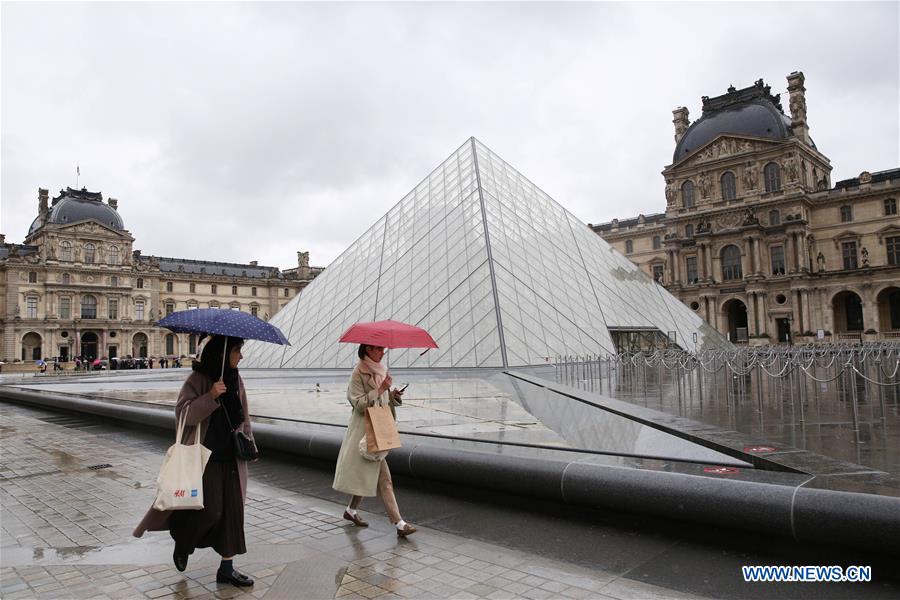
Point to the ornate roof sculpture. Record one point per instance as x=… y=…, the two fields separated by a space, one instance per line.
x=497 y=271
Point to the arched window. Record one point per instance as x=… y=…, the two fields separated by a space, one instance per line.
x=89 y=251
x=629 y=246
x=731 y=263
x=66 y=279
x=88 y=307
x=687 y=194
x=729 y=191
x=774 y=217
x=657 y=244
x=772 y=173
x=65 y=251
x=113 y=255
x=688 y=231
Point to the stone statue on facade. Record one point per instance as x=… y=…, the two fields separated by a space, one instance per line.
x=750 y=176
x=704 y=185
x=865 y=257
x=750 y=218
x=790 y=167
x=820 y=262
x=671 y=192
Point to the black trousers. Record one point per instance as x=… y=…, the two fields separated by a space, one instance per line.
x=220 y=525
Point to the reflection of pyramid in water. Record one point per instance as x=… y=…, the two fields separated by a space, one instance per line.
x=495 y=269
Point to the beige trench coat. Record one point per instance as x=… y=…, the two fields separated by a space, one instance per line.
x=195 y=395
x=354 y=474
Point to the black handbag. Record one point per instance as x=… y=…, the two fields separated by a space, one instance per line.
x=244 y=448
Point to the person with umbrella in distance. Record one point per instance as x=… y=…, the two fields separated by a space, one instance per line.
x=370 y=384
x=214 y=400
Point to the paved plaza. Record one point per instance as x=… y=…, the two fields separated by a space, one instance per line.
x=73 y=488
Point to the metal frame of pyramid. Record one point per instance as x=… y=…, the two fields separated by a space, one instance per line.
x=498 y=272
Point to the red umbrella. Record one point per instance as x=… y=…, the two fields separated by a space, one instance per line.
x=388 y=334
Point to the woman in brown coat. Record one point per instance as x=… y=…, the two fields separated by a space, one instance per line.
x=370 y=384
x=215 y=397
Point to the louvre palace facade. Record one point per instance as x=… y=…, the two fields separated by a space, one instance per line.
x=76 y=286
x=757 y=239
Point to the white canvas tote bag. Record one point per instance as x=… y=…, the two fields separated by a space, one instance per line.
x=180 y=481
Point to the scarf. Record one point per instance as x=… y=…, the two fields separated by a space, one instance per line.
x=377 y=370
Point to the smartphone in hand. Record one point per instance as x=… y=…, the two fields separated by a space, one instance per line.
x=405 y=385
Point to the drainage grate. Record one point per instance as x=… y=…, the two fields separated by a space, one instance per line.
x=98 y=467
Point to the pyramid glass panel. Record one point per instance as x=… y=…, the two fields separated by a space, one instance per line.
x=497 y=271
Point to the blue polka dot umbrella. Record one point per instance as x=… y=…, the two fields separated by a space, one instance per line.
x=219 y=321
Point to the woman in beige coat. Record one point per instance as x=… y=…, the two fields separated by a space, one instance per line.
x=369 y=385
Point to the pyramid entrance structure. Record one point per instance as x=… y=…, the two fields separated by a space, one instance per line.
x=498 y=272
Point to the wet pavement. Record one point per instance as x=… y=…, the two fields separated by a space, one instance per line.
x=73 y=487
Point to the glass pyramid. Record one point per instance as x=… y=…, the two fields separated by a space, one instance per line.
x=498 y=272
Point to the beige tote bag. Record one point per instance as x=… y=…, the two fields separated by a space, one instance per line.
x=180 y=481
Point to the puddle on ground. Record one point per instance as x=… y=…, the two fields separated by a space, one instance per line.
x=63 y=460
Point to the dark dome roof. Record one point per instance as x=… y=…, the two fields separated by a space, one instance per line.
x=759 y=119
x=80 y=205
x=752 y=111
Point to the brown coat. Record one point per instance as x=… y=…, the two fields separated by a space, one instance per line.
x=195 y=394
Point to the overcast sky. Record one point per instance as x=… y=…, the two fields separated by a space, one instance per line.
x=241 y=132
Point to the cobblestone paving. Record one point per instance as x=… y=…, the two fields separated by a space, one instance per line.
x=73 y=490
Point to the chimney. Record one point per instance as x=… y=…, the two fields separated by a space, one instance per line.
x=798 y=106
x=43 y=205
x=681 y=121
x=113 y=203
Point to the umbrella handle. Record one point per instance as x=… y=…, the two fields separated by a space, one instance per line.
x=224 y=354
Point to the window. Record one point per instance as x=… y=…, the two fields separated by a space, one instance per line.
x=774 y=217
x=690 y=264
x=214 y=289
x=139 y=310
x=193 y=287
x=234 y=290
x=731 y=263
x=846 y=213
x=657 y=244
x=192 y=344
x=253 y=291
x=114 y=281
x=88 y=307
x=31 y=307
x=777 y=253
x=89 y=251
x=657 y=273
x=113 y=309
x=629 y=246
x=893 y=250
x=287 y=292
x=729 y=191
x=192 y=304
x=140 y=283
x=849 y=254
x=65 y=307
x=65 y=251
x=214 y=304
x=66 y=279
x=113 y=255
x=772 y=173
x=170 y=308
x=168 y=286
x=170 y=344
x=235 y=307
x=32 y=276
x=688 y=231
x=254 y=310
x=687 y=194
x=890 y=207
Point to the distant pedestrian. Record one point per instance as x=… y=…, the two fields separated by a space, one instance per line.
x=210 y=394
x=151 y=362
x=370 y=384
